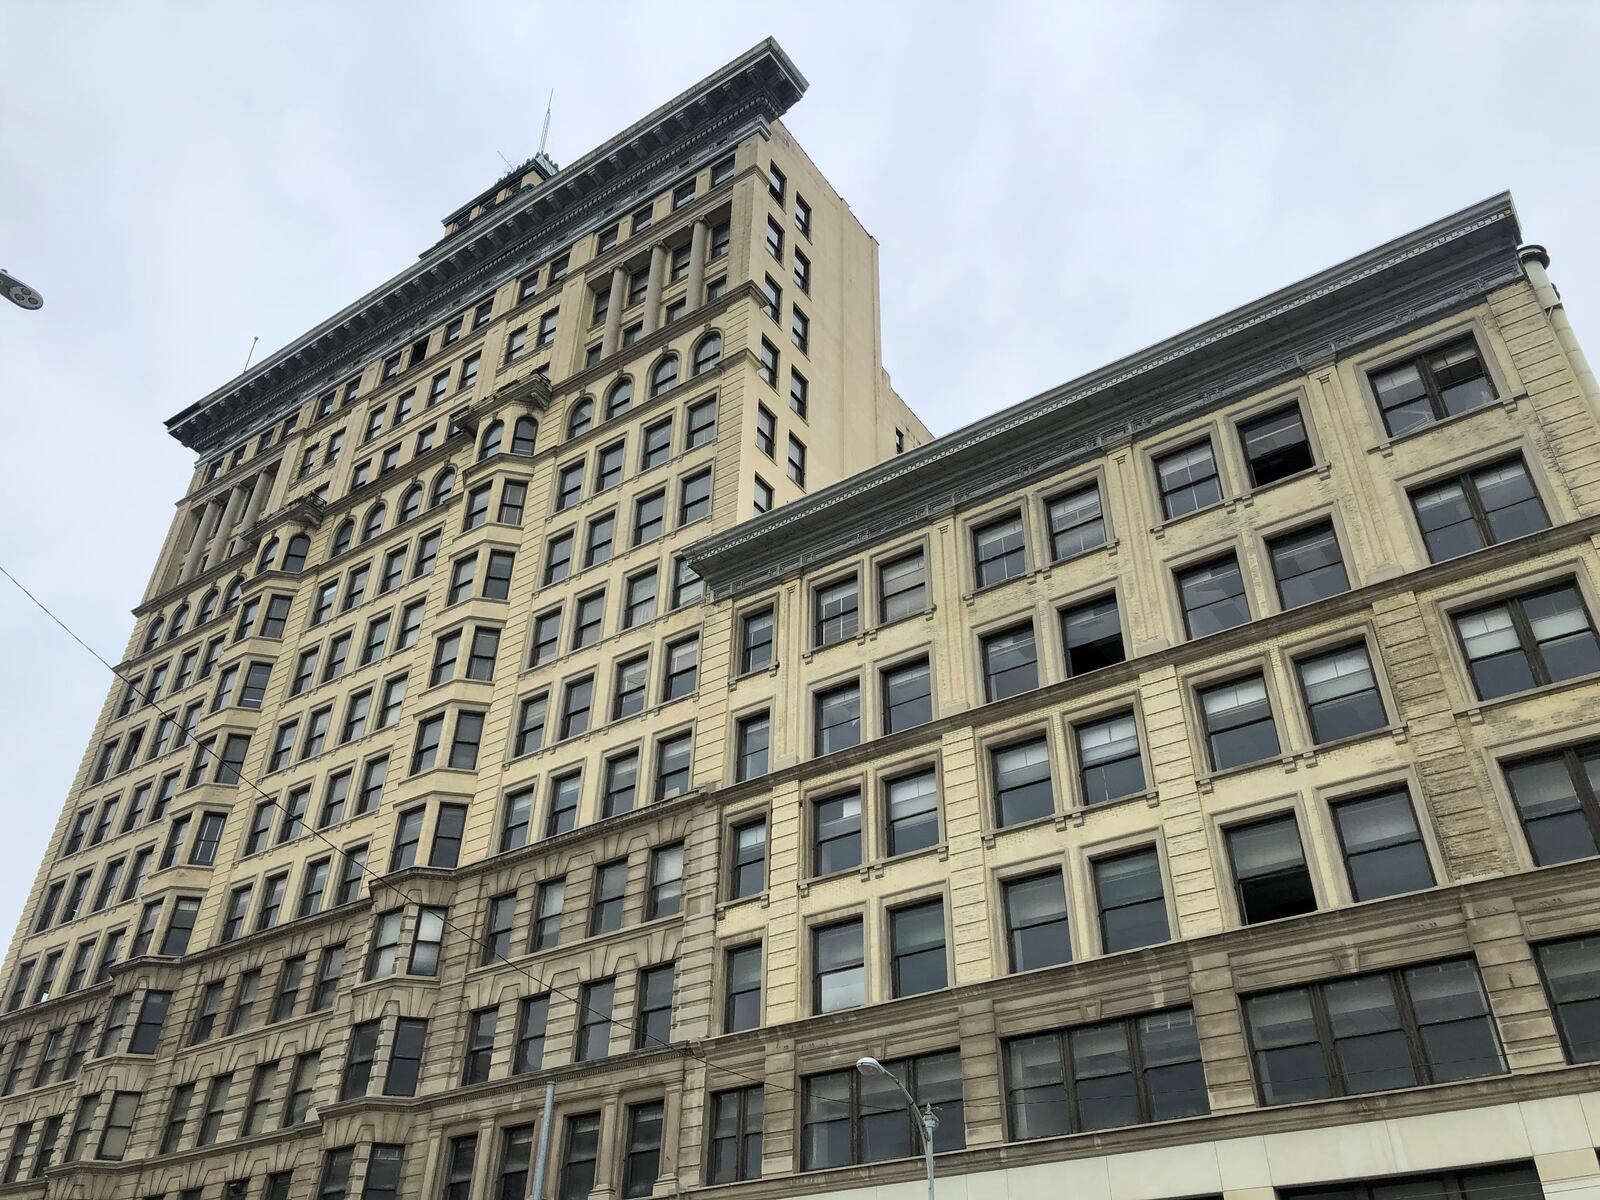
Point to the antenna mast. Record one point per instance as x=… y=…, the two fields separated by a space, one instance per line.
x=544 y=136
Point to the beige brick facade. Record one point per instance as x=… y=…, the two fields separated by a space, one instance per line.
x=420 y=902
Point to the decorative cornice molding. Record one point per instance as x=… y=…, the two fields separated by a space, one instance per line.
x=743 y=97
x=1442 y=267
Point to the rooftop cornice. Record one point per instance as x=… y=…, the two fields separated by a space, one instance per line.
x=1433 y=270
x=748 y=93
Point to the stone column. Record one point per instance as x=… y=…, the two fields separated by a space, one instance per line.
x=619 y=298
x=205 y=526
x=258 y=498
x=699 y=247
x=230 y=514
x=652 y=289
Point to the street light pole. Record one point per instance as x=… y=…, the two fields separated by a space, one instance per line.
x=926 y=1120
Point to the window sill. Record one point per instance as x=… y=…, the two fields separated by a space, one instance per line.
x=1206 y=783
x=1386 y=446
x=1474 y=712
x=762 y=899
x=1159 y=529
x=1322 y=470
x=875 y=868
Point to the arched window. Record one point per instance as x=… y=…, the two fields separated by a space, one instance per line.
x=294 y=554
x=175 y=626
x=708 y=352
x=268 y=557
x=230 y=598
x=664 y=375
x=489 y=444
x=581 y=418
x=411 y=502
x=620 y=398
x=153 y=634
x=373 y=525
x=343 y=537
x=208 y=607
x=523 y=435
x=442 y=486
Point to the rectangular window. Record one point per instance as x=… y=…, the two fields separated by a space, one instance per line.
x=999 y=551
x=796 y=465
x=1124 y=1072
x=838 y=611
x=1270 y=875
x=480 y=1045
x=600 y=540
x=1109 y=763
x=1021 y=778
x=1307 y=565
x=673 y=766
x=1238 y=722
x=701 y=422
x=1528 y=640
x=649 y=517
x=1212 y=596
x=753 y=739
x=427 y=942
x=594 y=1021
x=741 y=1008
x=734 y=1150
x=1077 y=523
x=907 y=696
x=1341 y=694
x=838 y=966
x=747 y=873
x=533 y=1013
x=497 y=929
x=1571 y=973
x=1038 y=932
x=1188 y=480
x=577 y=701
x=838 y=717
x=1383 y=850
x=558 y=558
x=653 y=1024
x=1276 y=446
x=384 y=952
x=767 y=359
x=405 y=1057
x=1369 y=1033
x=1478 y=508
x=1556 y=800
x=551 y=900
x=1432 y=386
x=1092 y=635
x=564 y=795
x=610 y=888
x=853 y=1118
x=1129 y=895
x=836 y=833
x=666 y=882
x=913 y=812
x=641 y=1161
x=694 y=498
x=1010 y=662
x=917 y=959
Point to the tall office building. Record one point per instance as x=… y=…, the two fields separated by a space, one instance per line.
x=572 y=664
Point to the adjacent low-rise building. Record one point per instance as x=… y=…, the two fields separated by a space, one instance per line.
x=572 y=664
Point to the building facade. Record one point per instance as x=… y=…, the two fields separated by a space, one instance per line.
x=572 y=664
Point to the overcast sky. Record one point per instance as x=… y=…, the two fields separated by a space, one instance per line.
x=1052 y=186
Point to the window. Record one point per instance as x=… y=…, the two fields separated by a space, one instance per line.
x=385 y=949
x=734 y=1152
x=532 y=1016
x=547 y=328
x=1109 y=763
x=147 y=1027
x=1022 y=787
x=531 y=716
x=1188 y=480
x=672 y=766
x=694 y=498
x=465 y=743
x=796 y=467
x=497 y=576
x=917 y=948
x=1571 y=973
x=907 y=696
x=913 y=812
x=649 y=517
x=838 y=966
x=1010 y=662
x=1478 y=508
x=588 y=619
x=516 y=346
x=1238 y=722
x=1271 y=878
x=838 y=713
x=558 y=558
x=1382 y=846
x=666 y=882
x=664 y=376
x=653 y=1025
x=1092 y=635
x=836 y=833
x=1077 y=524
x=405 y=1057
x=610 y=885
x=682 y=675
x=1368 y=1033
x=1128 y=893
x=1341 y=693
x=998 y=551
x=756 y=640
x=594 y=1021
x=1124 y=1072
x=701 y=423
x=753 y=740
x=216 y=1106
x=1212 y=596
x=564 y=794
x=656 y=447
x=802 y=272
x=1555 y=798
x=576 y=704
x=480 y=1045
x=1527 y=641
x=580 y=1152
x=481 y=654
x=747 y=873
x=766 y=431
x=774 y=239
x=1307 y=565
x=767 y=359
x=1276 y=446
x=547 y=914
x=742 y=988
x=546 y=639
x=569 y=485
x=477 y=512
x=707 y=352
x=800 y=329
x=851 y=1118
x=513 y=498
x=1432 y=386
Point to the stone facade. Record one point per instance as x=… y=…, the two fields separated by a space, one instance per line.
x=1061 y=762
